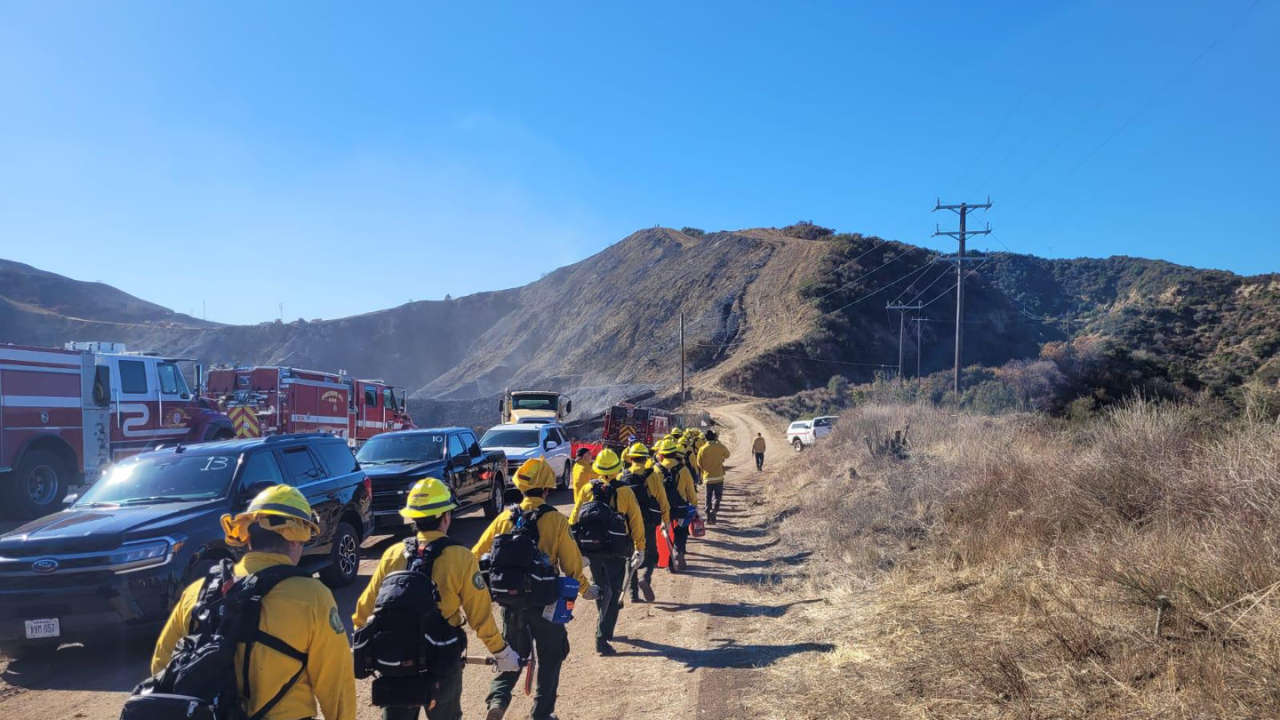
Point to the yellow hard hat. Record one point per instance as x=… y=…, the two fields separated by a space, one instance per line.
x=676 y=432
x=534 y=474
x=665 y=446
x=637 y=451
x=282 y=509
x=607 y=463
x=428 y=498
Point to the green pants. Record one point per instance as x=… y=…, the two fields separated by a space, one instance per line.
x=524 y=630
x=609 y=574
x=448 y=699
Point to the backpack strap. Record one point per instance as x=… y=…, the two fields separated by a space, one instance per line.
x=528 y=520
x=609 y=492
x=258 y=585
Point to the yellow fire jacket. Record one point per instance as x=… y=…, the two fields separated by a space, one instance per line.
x=462 y=590
x=684 y=482
x=624 y=502
x=711 y=459
x=302 y=613
x=553 y=539
x=653 y=481
x=583 y=473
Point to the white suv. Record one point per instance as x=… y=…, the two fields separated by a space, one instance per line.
x=524 y=441
x=804 y=433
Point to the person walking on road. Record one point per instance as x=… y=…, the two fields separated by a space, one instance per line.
x=711 y=459
x=646 y=484
x=757 y=447
x=582 y=472
x=526 y=629
x=298 y=612
x=681 y=495
x=461 y=587
x=608 y=572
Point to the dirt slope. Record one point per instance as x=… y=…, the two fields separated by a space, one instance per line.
x=687 y=655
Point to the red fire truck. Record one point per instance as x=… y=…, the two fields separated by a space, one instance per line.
x=277 y=400
x=625 y=423
x=66 y=414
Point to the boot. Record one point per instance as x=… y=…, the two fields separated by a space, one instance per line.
x=604 y=649
x=646 y=588
x=683 y=565
x=495 y=713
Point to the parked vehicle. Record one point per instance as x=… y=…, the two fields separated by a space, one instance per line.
x=625 y=424
x=804 y=433
x=521 y=442
x=120 y=555
x=395 y=461
x=65 y=415
x=533 y=406
x=264 y=401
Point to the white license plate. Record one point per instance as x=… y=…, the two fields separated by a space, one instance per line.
x=37 y=629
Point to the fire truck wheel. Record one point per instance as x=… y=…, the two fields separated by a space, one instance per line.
x=38 y=485
x=344 y=558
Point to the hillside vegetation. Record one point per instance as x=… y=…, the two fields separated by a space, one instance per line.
x=1026 y=567
x=768 y=312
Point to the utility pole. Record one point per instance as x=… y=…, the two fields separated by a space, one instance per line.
x=902 y=314
x=281 y=312
x=963 y=210
x=682 y=357
x=919 y=331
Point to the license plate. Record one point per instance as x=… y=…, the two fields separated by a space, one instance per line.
x=37 y=629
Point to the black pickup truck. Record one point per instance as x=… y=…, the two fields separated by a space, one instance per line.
x=394 y=461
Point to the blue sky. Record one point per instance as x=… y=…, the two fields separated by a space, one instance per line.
x=344 y=157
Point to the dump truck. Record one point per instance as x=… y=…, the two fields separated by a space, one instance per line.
x=533 y=406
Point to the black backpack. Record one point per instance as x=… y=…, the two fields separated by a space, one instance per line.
x=649 y=506
x=199 y=682
x=601 y=529
x=521 y=575
x=407 y=645
x=671 y=483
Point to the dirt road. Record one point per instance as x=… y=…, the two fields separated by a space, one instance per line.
x=686 y=655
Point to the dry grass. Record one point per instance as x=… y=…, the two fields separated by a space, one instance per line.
x=1019 y=567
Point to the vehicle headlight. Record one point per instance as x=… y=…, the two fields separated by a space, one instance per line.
x=143 y=554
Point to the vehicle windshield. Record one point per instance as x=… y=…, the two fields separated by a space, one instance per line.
x=533 y=402
x=510 y=438
x=163 y=478
x=824 y=422
x=415 y=447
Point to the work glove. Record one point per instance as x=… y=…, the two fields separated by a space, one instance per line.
x=506 y=660
x=591 y=593
x=637 y=558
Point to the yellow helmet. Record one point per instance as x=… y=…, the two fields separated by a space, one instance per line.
x=676 y=432
x=533 y=474
x=607 y=463
x=282 y=509
x=665 y=446
x=428 y=498
x=637 y=451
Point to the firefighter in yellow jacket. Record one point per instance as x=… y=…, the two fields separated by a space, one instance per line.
x=462 y=592
x=711 y=459
x=671 y=466
x=654 y=499
x=526 y=629
x=582 y=472
x=610 y=573
x=299 y=611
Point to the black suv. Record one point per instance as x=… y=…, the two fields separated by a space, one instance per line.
x=120 y=554
x=397 y=460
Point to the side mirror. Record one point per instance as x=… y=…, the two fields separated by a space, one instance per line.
x=552 y=444
x=460 y=462
x=568 y=407
x=475 y=450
